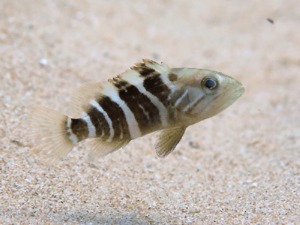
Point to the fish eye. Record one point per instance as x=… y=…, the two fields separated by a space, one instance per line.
x=210 y=83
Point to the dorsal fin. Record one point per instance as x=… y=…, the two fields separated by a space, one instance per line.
x=143 y=70
x=81 y=97
x=161 y=68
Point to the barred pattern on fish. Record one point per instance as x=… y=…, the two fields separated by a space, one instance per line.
x=149 y=97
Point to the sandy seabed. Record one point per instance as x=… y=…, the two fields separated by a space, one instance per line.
x=239 y=167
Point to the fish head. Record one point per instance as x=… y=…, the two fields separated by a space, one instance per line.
x=211 y=92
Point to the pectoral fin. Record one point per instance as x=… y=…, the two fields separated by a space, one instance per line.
x=167 y=140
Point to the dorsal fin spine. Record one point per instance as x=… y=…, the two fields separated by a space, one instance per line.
x=82 y=96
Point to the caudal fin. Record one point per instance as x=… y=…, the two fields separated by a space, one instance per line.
x=49 y=134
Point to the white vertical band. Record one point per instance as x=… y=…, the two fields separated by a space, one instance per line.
x=133 y=126
x=180 y=99
x=90 y=125
x=100 y=109
x=72 y=137
x=138 y=83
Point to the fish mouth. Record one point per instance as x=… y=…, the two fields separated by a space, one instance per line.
x=234 y=88
x=239 y=92
x=238 y=89
x=234 y=95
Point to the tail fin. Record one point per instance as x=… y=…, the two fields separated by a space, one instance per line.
x=49 y=134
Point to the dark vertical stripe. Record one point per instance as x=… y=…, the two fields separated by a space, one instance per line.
x=155 y=85
x=99 y=121
x=143 y=70
x=80 y=128
x=144 y=111
x=117 y=116
x=118 y=82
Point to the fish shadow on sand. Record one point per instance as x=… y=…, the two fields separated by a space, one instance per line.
x=98 y=218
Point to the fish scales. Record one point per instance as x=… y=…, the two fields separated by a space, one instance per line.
x=147 y=98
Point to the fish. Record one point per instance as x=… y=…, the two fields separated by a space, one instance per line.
x=149 y=97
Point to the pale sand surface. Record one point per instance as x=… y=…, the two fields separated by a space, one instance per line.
x=240 y=167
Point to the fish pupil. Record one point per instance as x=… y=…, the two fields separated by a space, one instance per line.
x=210 y=83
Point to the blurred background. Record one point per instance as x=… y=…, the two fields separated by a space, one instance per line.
x=241 y=166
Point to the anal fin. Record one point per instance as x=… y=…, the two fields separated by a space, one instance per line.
x=97 y=147
x=168 y=140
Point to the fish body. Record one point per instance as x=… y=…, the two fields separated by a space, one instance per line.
x=147 y=98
